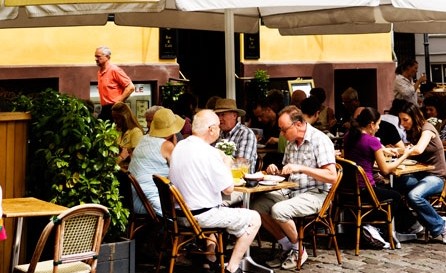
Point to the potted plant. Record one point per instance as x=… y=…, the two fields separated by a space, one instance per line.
x=261 y=81
x=170 y=93
x=72 y=159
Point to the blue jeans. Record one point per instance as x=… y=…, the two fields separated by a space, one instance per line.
x=418 y=187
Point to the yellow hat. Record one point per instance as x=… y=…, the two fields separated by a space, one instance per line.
x=165 y=123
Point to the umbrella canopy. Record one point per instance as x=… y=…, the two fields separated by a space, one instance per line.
x=171 y=17
x=359 y=20
x=147 y=13
x=56 y=15
x=298 y=17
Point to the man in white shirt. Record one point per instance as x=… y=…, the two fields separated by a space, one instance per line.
x=201 y=172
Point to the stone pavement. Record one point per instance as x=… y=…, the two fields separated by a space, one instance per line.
x=414 y=256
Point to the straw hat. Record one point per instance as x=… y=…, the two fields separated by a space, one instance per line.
x=228 y=105
x=165 y=123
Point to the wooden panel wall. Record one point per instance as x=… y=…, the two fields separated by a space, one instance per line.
x=13 y=143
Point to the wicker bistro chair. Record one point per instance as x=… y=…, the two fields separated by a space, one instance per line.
x=321 y=219
x=348 y=199
x=78 y=235
x=170 y=196
x=137 y=221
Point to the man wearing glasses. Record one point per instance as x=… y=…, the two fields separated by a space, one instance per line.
x=310 y=160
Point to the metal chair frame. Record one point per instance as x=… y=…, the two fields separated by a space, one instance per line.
x=321 y=219
x=348 y=199
x=138 y=221
x=170 y=196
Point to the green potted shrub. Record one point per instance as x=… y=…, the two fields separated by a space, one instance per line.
x=261 y=81
x=72 y=157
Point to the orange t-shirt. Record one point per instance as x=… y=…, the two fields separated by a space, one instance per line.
x=111 y=84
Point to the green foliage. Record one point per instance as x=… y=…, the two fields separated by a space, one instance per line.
x=72 y=156
x=170 y=93
x=260 y=84
x=261 y=76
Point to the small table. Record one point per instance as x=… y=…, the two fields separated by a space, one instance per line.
x=26 y=207
x=248 y=264
x=419 y=167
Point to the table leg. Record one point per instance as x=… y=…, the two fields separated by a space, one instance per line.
x=248 y=264
x=17 y=241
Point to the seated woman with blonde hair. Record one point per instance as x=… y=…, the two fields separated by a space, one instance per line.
x=152 y=156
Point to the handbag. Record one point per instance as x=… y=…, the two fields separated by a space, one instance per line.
x=2 y=231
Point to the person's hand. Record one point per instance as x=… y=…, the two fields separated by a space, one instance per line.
x=423 y=78
x=272 y=169
x=390 y=152
x=407 y=151
x=291 y=168
x=272 y=140
x=124 y=154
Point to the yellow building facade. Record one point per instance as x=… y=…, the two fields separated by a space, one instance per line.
x=67 y=53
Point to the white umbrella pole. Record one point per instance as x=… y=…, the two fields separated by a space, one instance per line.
x=229 y=53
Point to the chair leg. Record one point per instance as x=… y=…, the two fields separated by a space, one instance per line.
x=314 y=231
x=221 y=253
x=300 y=238
x=358 y=232
x=160 y=256
x=390 y=226
x=332 y=234
x=174 y=254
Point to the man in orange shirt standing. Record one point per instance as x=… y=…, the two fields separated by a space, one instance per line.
x=113 y=83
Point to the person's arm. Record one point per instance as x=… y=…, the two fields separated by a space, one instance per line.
x=127 y=92
x=228 y=190
x=422 y=143
x=166 y=150
x=388 y=167
x=423 y=78
x=326 y=173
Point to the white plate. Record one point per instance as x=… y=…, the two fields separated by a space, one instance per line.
x=268 y=183
x=409 y=162
x=261 y=146
x=275 y=178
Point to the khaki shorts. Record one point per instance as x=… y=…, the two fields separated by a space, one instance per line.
x=285 y=206
x=236 y=221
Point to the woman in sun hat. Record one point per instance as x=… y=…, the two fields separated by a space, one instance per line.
x=152 y=156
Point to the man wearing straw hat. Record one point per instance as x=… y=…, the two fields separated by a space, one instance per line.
x=234 y=130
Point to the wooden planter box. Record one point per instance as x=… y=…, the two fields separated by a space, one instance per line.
x=117 y=257
x=13 y=147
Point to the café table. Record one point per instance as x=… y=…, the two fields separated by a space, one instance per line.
x=248 y=264
x=26 y=207
x=408 y=169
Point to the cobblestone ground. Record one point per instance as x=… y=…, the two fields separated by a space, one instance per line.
x=414 y=256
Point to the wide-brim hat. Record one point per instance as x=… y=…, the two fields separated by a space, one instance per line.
x=228 y=105
x=165 y=123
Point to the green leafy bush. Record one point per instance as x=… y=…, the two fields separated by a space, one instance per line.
x=72 y=155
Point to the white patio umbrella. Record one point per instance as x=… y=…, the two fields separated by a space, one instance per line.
x=171 y=17
x=297 y=17
x=147 y=13
x=83 y=14
x=261 y=9
x=359 y=20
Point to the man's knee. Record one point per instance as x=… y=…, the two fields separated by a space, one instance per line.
x=279 y=212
